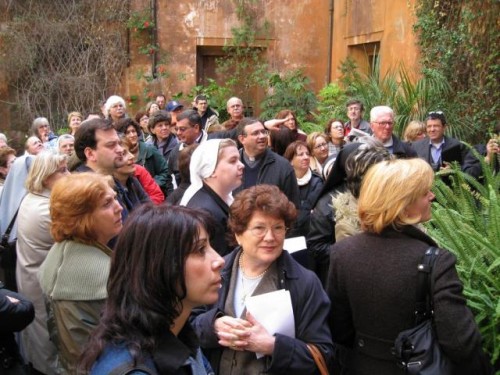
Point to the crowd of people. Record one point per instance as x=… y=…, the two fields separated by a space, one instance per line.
x=140 y=243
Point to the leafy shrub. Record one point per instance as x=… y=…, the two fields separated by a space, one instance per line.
x=331 y=104
x=466 y=221
x=289 y=91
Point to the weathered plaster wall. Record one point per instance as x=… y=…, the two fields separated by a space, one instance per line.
x=389 y=22
x=299 y=38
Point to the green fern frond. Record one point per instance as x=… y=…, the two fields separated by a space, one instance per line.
x=466 y=221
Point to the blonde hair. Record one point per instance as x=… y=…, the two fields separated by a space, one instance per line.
x=74 y=114
x=311 y=139
x=412 y=131
x=44 y=165
x=388 y=188
x=73 y=200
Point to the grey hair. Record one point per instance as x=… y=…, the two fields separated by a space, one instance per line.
x=64 y=137
x=112 y=100
x=357 y=164
x=380 y=110
x=37 y=122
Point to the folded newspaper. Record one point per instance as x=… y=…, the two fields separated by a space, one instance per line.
x=355 y=134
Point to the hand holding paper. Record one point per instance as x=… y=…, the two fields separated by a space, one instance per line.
x=273 y=311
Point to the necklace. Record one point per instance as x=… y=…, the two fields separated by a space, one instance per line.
x=240 y=261
x=251 y=282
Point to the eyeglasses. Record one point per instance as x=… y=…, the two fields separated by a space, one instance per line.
x=384 y=123
x=181 y=129
x=440 y=113
x=43 y=126
x=323 y=145
x=260 y=230
x=258 y=132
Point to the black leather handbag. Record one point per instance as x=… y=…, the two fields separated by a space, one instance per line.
x=417 y=349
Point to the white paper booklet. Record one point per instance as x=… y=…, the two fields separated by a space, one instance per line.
x=274 y=311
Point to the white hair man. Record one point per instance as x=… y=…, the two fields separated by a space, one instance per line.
x=382 y=125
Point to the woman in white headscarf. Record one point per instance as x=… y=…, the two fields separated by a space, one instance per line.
x=216 y=170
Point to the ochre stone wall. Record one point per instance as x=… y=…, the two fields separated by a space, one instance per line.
x=298 y=38
x=384 y=24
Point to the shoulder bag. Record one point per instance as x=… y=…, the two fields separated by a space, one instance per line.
x=8 y=256
x=417 y=349
x=318 y=359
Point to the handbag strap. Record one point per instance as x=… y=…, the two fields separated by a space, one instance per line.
x=425 y=285
x=318 y=359
x=6 y=235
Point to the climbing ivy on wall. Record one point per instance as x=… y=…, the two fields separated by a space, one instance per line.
x=460 y=39
x=244 y=64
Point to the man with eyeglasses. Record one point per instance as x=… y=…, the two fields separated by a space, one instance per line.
x=382 y=125
x=235 y=109
x=437 y=149
x=190 y=131
x=263 y=166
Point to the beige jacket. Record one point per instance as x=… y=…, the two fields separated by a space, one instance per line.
x=33 y=244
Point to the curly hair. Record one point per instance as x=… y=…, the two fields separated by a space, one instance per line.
x=268 y=199
x=122 y=125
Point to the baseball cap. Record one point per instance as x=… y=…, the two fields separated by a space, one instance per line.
x=173 y=105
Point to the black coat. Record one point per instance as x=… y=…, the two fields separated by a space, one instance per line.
x=276 y=170
x=322 y=221
x=472 y=165
x=402 y=150
x=372 y=285
x=13 y=318
x=308 y=194
x=208 y=200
